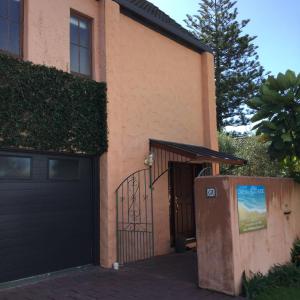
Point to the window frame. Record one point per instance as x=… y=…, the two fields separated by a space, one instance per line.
x=62 y=179
x=21 y=35
x=19 y=178
x=81 y=16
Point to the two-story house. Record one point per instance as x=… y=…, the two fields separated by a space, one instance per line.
x=162 y=134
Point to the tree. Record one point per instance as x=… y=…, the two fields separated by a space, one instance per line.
x=278 y=115
x=238 y=71
x=254 y=151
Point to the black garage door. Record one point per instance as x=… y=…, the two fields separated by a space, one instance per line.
x=46 y=214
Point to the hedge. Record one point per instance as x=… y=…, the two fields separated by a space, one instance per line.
x=46 y=109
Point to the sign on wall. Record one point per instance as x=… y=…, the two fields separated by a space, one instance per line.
x=211 y=192
x=252 y=207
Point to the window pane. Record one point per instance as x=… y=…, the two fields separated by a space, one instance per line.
x=80 y=36
x=85 y=61
x=3 y=34
x=14 y=10
x=63 y=169
x=3 y=7
x=74 y=58
x=14 y=167
x=84 y=33
x=14 y=38
x=74 y=30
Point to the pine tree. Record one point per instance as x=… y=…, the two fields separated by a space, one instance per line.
x=237 y=68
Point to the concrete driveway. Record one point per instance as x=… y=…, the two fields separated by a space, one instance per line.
x=167 y=277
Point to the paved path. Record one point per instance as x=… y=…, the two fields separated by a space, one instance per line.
x=168 y=277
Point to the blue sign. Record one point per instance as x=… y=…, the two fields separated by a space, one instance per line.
x=252 y=207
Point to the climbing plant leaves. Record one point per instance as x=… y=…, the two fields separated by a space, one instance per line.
x=46 y=109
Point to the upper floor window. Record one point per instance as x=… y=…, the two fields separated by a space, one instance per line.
x=81 y=45
x=10 y=26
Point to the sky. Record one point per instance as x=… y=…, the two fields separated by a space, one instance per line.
x=276 y=23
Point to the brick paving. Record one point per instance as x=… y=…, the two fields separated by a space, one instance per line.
x=167 y=277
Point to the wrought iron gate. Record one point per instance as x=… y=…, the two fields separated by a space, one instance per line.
x=135 y=218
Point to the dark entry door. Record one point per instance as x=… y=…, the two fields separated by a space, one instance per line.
x=46 y=214
x=182 y=201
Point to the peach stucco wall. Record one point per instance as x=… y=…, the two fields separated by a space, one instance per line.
x=47 y=37
x=157 y=88
x=223 y=253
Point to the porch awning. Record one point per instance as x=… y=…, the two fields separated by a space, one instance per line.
x=197 y=153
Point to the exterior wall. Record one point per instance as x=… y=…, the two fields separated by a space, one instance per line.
x=47 y=32
x=223 y=253
x=47 y=41
x=158 y=89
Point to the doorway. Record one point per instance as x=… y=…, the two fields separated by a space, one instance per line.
x=182 y=204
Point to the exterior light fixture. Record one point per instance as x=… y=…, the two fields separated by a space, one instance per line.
x=149 y=160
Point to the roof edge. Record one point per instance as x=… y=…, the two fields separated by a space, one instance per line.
x=214 y=155
x=189 y=40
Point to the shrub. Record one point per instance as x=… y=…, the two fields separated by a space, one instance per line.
x=254 y=286
x=251 y=149
x=279 y=276
x=295 y=253
x=43 y=108
x=280 y=294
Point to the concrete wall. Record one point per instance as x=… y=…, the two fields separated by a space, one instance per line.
x=223 y=253
x=158 y=89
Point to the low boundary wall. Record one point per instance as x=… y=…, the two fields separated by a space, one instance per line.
x=224 y=253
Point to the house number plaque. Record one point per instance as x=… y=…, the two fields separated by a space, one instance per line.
x=211 y=192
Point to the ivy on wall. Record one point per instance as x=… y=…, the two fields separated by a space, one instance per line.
x=46 y=109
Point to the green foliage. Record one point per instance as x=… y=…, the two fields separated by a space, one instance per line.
x=295 y=253
x=280 y=276
x=237 y=68
x=254 y=286
x=227 y=143
x=46 y=109
x=251 y=149
x=280 y=294
x=278 y=115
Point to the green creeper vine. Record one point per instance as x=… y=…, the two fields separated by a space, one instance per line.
x=46 y=109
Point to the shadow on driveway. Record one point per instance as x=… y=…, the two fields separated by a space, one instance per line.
x=167 y=277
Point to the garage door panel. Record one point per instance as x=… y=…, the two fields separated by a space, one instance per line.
x=67 y=222
x=12 y=218
x=66 y=205
x=41 y=188
x=18 y=237
x=27 y=197
x=52 y=261
x=45 y=198
x=45 y=249
x=45 y=225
